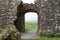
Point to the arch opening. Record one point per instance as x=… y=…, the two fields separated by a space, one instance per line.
x=31 y=21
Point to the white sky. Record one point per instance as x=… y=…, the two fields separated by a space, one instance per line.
x=28 y=1
x=31 y=17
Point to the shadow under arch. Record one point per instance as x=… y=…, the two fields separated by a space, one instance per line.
x=21 y=10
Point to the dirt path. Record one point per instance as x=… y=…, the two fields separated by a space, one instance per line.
x=30 y=35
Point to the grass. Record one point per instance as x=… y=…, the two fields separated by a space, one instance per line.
x=48 y=38
x=31 y=26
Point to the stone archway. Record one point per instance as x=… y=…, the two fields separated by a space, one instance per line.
x=21 y=10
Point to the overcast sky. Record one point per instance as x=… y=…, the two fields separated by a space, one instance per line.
x=28 y=1
x=30 y=16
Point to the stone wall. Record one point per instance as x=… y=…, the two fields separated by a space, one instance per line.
x=8 y=10
x=50 y=16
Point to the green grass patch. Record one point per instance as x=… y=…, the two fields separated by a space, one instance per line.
x=48 y=38
x=31 y=26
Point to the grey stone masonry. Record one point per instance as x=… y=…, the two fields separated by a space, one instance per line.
x=8 y=11
x=50 y=15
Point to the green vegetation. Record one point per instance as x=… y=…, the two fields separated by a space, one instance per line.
x=48 y=38
x=30 y=26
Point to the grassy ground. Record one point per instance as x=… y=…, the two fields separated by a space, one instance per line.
x=31 y=26
x=48 y=38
